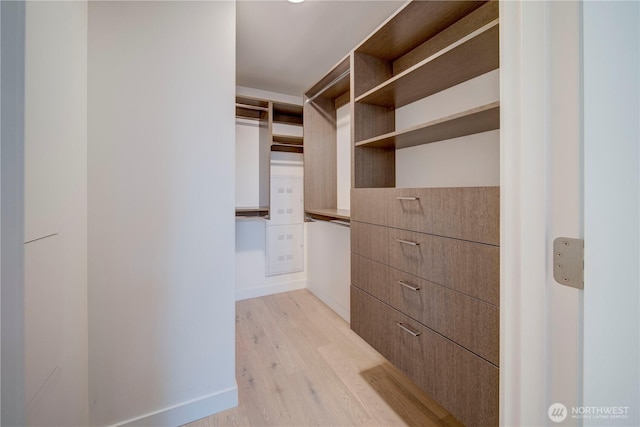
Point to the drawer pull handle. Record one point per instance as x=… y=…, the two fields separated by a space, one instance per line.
x=407 y=198
x=408 y=285
x=407 y=242
x=407 y=329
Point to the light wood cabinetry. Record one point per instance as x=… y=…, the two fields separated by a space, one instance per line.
x=320 y=155
x=425 y=261
x=270 y=116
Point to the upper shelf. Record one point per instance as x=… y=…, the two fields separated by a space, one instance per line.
x=251 y=108
x=287 y=113
x=469 y=57
x=334 y=84
x=476 y=120
x=412 y=24
x=288 y=139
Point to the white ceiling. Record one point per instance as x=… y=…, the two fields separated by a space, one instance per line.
x=285 y=47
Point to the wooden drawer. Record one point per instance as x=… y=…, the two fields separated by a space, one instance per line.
x=465 y=320
x=467 y=213
x=467 y=267
x=465 y=384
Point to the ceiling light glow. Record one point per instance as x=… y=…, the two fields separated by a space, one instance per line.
x=295 y=1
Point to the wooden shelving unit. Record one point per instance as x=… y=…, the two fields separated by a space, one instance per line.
x=320 y=163
x=440 y=71
x=476 y=120
x=289 y=115
x=251 y=108
x=259 y=110
x=424 y=48
x=414 y=246
x=268 y=113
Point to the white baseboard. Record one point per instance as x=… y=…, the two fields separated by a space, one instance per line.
x=187 y=412
x=275 y=288
x=335 y=305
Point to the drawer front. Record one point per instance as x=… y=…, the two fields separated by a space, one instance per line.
x=467 y=267
x=466 y=385
x=467 y=321
x=467 y=213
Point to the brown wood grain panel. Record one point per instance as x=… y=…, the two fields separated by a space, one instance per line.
x=342 y=100
x=374 y=167
x=476 y=120
x=369 y=71
x=371 y=205
x=468 y=213
x=320 y=167
x=465 y=320
x=330 y=86
x=372 y=120
x=412 y=25
x=467 y=59
x=467 y=267
x=476 y=19
x=370 y=241
x=462 y=382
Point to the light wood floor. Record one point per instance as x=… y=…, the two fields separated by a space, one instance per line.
x=299 y=364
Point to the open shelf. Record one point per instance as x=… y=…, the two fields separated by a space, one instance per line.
x=287 y=113
x=287 y=148
x=288 y=139
x=329 y=214
x=251 y=212
x=476 y=120
x=408 y=28
x=251 y=108
x=471 y=56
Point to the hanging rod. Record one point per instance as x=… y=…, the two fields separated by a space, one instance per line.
x=328 y=85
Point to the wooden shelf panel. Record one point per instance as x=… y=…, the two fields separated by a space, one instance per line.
x=252 y=102
x=288 y=139
x=413 y=24
x=469 y=57
x=286 y=148
x=254 y=211
x=252 y=113
x=334 y=84
x=329 y=213
x=476 y=120
x=287 y=113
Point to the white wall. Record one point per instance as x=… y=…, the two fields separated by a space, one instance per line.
x=329 y=265
x=612 y=209
x=343 y=156
x=247 y=163
x=56 y=365
x=161 y=211
x=467 y=161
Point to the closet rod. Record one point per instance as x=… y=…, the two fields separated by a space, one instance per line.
x=328 y=85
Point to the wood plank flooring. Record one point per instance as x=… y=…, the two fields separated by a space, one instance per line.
x=299 y=364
